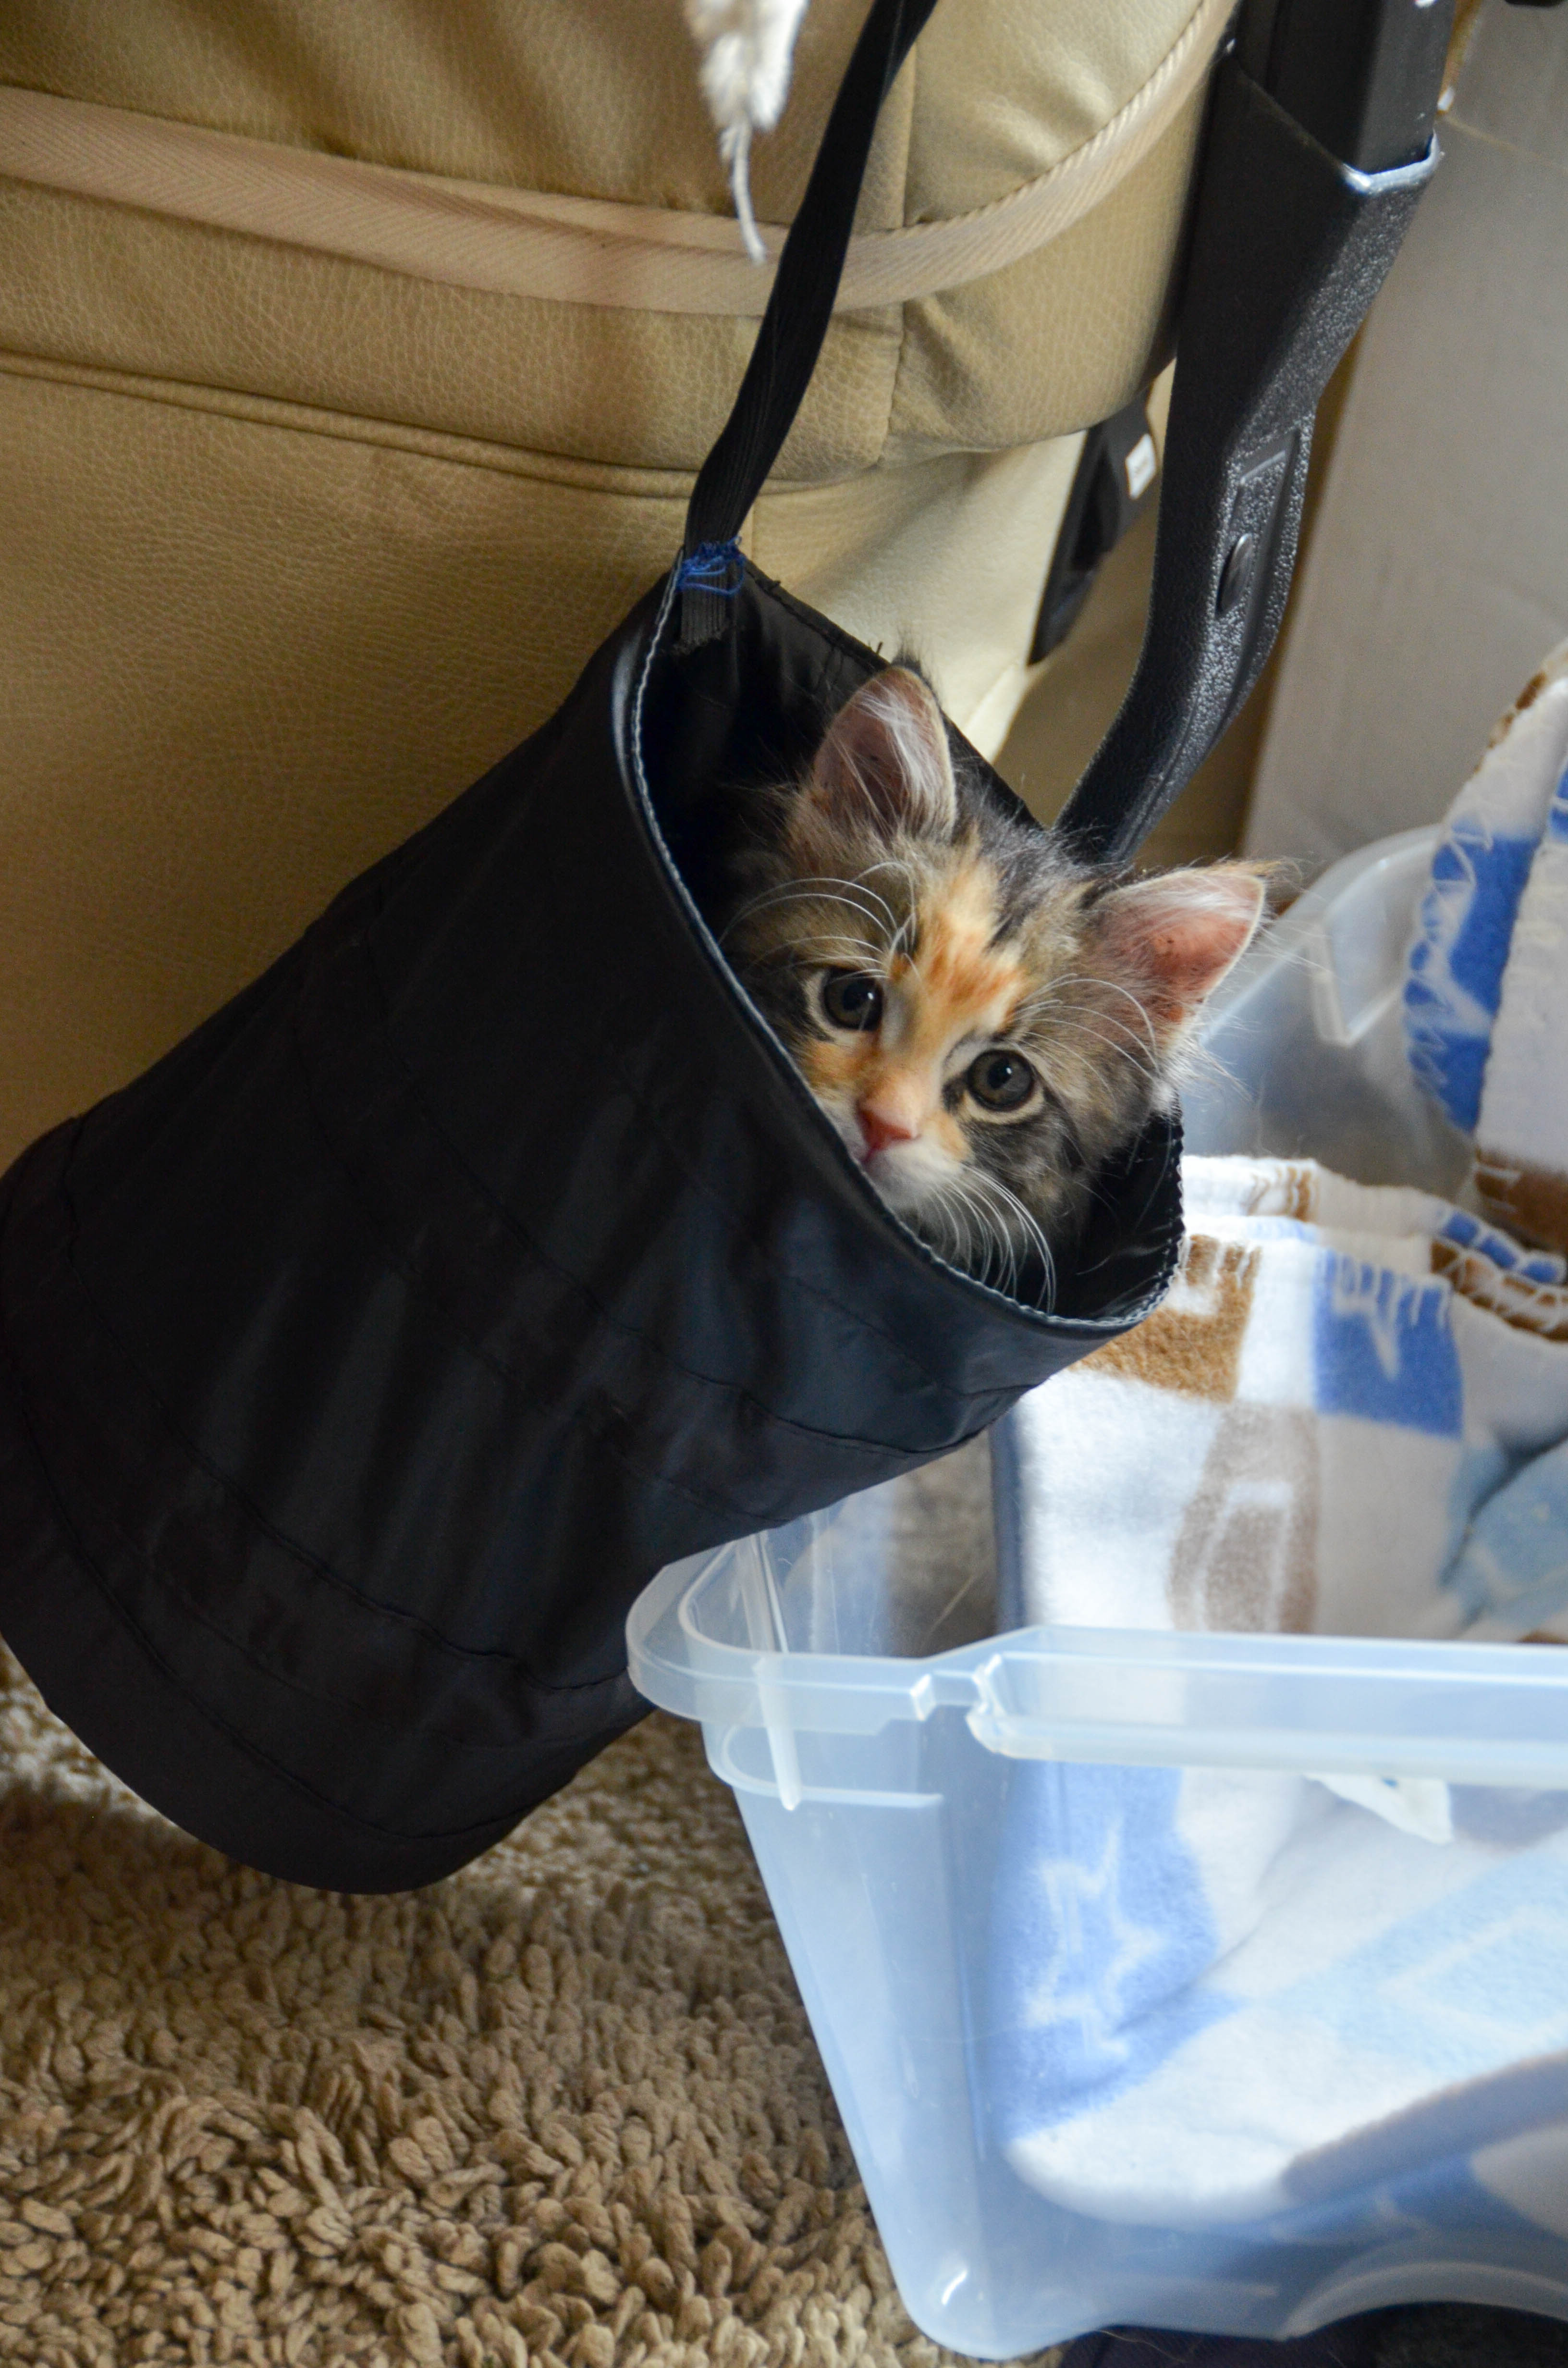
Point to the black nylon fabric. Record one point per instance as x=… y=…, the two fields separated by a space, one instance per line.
x=362 y=1361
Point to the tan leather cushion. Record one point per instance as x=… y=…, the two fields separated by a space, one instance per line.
x=603 y=102
x=291 y=546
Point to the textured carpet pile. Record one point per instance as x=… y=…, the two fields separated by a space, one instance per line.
x=562 y=2108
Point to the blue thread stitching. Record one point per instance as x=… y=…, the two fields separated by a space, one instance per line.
x=714 y=567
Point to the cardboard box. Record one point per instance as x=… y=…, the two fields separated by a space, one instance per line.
x=1438 y=573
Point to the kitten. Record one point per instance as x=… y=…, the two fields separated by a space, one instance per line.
x=985 y=1022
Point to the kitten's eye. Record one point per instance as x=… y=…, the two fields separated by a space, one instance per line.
x=1001 y=1081
x=852 y=998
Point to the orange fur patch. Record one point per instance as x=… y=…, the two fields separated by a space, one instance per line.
x=957 y=986
x=833 y=1067
x=964 y=986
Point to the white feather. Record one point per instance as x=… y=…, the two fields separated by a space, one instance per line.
x=748 y=46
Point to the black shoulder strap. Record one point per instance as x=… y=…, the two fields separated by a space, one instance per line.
x=799 y=311
x=1319 y=144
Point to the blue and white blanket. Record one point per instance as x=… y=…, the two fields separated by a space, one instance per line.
x=1226 y=2000
x=1324 y=2009
x=1485 y=979
x=1348 y=1416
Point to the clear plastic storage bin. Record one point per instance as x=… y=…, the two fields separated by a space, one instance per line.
x=876 y=1731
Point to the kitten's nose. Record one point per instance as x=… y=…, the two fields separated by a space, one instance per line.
x=881 y=1127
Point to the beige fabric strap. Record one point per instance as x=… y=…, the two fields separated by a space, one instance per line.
x=572 y=250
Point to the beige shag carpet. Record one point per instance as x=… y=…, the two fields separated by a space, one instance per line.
x=562 y=2108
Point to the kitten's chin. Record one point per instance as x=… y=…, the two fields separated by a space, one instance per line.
x=909 y=1177
x=912 y=1179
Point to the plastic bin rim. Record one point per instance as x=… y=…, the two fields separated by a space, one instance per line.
x=1474 y=1713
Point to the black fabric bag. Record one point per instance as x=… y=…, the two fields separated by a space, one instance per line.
x=360 y=1362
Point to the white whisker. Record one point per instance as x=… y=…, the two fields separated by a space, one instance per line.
x=803 y=892
x=1145 y=1024
x=980 y=1226
x=1121 y=1052
x=855 y=887
x=1033 y=1232
x=902 y=933
x=957 y=1200
x=823 y=946
x=891 y=863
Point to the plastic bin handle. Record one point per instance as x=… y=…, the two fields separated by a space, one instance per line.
x=1290 y=244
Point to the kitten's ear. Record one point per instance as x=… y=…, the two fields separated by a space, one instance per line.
x=885 y=761
x=1178 y=933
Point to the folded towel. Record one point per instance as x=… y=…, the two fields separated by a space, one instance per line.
x=1225 y=1998
x=1341 y=1419
x=1484 y=992
x=1301 y=1188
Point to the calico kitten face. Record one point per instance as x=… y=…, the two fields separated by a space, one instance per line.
x=984 y=1022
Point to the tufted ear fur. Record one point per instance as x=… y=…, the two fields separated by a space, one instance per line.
x=885 y=761
x=1174 y=937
